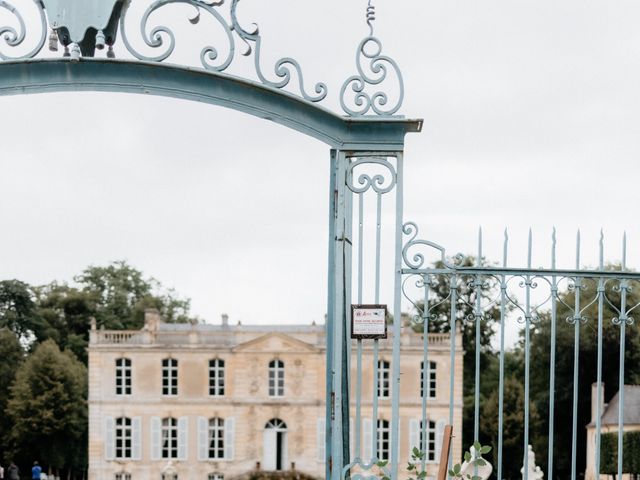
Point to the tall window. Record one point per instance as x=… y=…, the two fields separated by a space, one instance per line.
x=276 y=378
x=123 y=476
x=170 y=437
x=430 y=447
x=216 y=438
x=169 y=476
x=123 y=376
x=383 y=379
x=384 y=439
x=169 y=376
x=123 y=437
x=215 y=476
x=216 y=377
x=430 y=380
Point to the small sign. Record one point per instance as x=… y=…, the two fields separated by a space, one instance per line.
x=368 y=321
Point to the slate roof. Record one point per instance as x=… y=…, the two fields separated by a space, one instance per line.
x=631 y=413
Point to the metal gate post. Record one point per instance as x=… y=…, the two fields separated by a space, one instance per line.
x=339 y=299
x=397 y=323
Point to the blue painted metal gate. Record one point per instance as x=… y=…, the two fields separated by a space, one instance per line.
x=367 y=234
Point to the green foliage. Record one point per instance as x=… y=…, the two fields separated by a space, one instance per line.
x=46 y=411
x=65 y=314
x=473 y=460
x=413 y=467
x=382 y=472
x=12 y=356
x=513 y=425
x=440 y=308
x=540 y=351
x=48 y=408
x=121 y=294
x=630 y=453
x=116 y=295
x=17 y=308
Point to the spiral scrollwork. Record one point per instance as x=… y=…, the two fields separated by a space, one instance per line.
x=14 y=38
x=366 y=472
x=623 y=312
x=282 y=68
x=162 y=36
x=162 y=39
x=379 y=183
x=577 y=284
x=416 y=260
x=378 y=66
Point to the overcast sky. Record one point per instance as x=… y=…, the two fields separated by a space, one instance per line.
x=531 y=120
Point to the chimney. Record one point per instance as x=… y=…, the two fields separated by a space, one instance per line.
x=152 y=319
x=225 y=320
x=594 y=401
x=93 y=333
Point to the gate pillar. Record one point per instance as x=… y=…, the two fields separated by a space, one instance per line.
x=352 y=175
x=339 y=300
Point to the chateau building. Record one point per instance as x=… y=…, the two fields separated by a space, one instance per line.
x=609 y=422
x=211 y=402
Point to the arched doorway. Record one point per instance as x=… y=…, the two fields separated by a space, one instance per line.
x=275 y=445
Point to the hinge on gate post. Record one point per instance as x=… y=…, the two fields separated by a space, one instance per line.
x=333 y=406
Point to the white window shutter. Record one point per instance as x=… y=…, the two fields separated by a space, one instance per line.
x=439 y=435
x=203 y=439
x=229 y=437
x=366 y=440
x=156 y=438
x=414 y=435
x=351 y=437
x=136 y=440
x=183 y=435
x=109 y=438
x=399 y=437
x=321 y=437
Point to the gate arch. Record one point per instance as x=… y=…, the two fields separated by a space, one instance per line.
x=150 y=78
x=366 y=141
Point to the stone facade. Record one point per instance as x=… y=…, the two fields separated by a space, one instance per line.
x=150 y=433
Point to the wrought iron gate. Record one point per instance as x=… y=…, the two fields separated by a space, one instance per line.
x=534 y=296
x=529 y=297
x=366 y=176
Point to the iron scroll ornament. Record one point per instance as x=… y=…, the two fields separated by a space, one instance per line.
x=155 y=38
x=84 y=26
x=379 y=66
x=14 y=38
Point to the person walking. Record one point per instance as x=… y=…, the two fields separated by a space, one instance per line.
x=13 y=472
x=36 y=471
x=1 y=473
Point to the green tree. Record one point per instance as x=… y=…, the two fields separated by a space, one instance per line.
x=65 y=314
x=439 y=322
x=12 y=356
x=540 y=351
x=513 y=427
x=48 y=408
x=116 y=295
x=121 y=293
x=17 y=308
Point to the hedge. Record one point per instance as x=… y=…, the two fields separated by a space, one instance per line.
x=630 y=453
